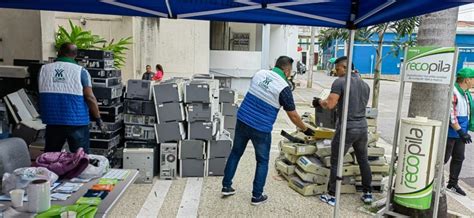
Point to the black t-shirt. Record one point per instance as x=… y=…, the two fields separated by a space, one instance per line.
x=358 y=99
x=148 y=76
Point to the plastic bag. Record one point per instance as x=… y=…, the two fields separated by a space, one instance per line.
x=95 y=171
x=21 y=177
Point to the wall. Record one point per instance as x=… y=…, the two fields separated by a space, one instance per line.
x=109 y=27
x=283 y=41
x=235 y=60
x=239 y=65
x=154 y=42
x=183 y=47
x=145 y=44
x=20 y=34
x=246 y=28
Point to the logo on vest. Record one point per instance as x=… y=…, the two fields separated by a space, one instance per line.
x=59 y=76
x=265 y=83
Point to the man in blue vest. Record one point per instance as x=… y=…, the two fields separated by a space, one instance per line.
x=459 y=124
x=268 y=92
x=66 y=98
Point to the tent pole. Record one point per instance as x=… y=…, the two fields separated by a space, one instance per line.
x=342 y=138
x=438 y=180
x=395 y=133
x=265 y=46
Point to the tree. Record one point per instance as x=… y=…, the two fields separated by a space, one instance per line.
x=438 y=29
x=84 y=39
x=404 y=34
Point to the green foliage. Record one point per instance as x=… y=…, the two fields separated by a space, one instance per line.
x=84 y=39
x=119 y=49
x=402 y=28
x=326 y=36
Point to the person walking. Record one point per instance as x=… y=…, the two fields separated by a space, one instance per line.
x=66 y=98
x=460 y=123
x=356 y=131
x=268 y=92
x=148 y=75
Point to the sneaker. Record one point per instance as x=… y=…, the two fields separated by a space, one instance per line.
x=228 y=191
x=329 y=199
x=260 y=200
x=456 y=189
x=367 y=198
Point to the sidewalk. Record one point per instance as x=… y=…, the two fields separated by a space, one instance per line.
x=193 y=197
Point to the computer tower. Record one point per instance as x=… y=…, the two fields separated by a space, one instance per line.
x=192 y=168
x=192 y=149
x=168 y=160
x=326 y=118
x=201 y=130
x=139 y=89
x=170 y=132
x=141 y=159
x=170 y=112
x=216 y=166
x=227 y=95
x=220 y=147
x=168 y=91
x=229 y=109
x=199 y=112
x=197 y=92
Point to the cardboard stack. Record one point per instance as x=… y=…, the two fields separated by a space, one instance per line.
x=306 y=165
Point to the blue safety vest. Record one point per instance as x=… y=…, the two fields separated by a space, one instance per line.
x=261 y=104
x=61 y=95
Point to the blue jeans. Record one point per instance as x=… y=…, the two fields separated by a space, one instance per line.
x=261 y=142
x=57 y=135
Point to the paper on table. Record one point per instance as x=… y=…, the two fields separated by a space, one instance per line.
x=25 y=198
x=60 y=196
x=79 y=180
x=7 y=198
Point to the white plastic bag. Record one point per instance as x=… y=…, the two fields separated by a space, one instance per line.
x=21 y=177
x=95 y=171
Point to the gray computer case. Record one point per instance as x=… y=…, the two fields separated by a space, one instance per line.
x=170 y=112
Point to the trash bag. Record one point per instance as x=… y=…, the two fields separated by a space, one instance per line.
x=66 y=165
x=21 y=177
x=98 y=166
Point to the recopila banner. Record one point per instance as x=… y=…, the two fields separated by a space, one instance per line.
x=418 y=140
x=430 y=64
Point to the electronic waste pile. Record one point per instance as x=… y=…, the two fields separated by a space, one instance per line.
x=184 y=134
x=304 y=161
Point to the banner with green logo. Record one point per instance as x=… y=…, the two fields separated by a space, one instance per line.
x=430 y=64
x=419 y=140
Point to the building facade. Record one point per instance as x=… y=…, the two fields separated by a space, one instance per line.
x=364 y=53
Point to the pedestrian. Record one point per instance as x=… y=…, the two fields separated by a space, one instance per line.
x=159 y=73
x=356 y=131
x=459 y=124
x=268 y=92
x=66 y=98
x=148 y=75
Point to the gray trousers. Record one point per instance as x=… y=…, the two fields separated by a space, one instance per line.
x=357 y=138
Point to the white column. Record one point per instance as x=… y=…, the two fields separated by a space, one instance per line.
x=265 y=46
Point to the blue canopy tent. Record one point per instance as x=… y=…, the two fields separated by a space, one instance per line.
x=350 y=14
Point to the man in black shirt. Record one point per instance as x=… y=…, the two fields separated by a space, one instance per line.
x=148 y=75
x=356 y=131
